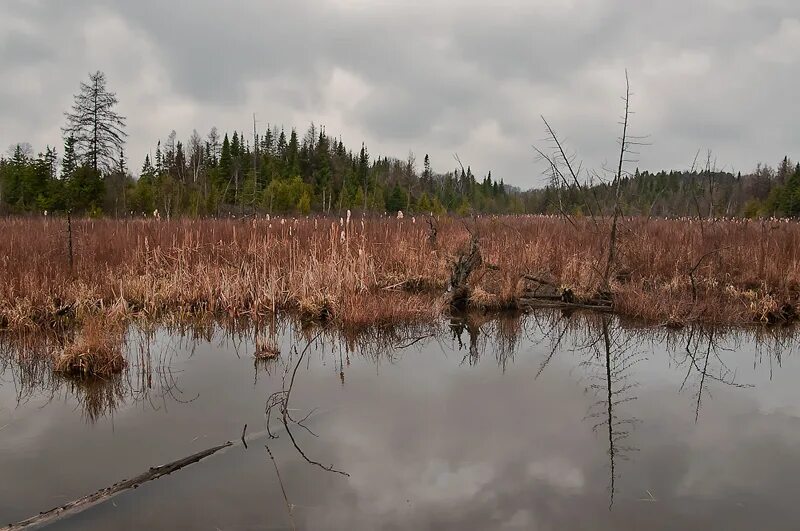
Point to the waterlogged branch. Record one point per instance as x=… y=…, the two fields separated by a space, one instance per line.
x=289 y=506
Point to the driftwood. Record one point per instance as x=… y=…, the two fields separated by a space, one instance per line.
x=102 y=495
x=553 y=296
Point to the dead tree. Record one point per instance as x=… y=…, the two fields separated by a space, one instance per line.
x=463 y=267
x=624 y=149
x=567 y=173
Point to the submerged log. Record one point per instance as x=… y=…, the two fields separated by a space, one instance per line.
x=102 y=495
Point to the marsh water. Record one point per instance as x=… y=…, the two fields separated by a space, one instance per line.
x=541 y=422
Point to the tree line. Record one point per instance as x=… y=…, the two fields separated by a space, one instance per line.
x=706 y=193
x=285 y=173
x=228 y=173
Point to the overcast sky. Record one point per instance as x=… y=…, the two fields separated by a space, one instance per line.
x=433 y=76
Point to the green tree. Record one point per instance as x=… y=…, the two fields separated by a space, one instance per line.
x=304 y=203
x=396 y=200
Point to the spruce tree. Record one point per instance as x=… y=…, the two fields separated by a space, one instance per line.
x=70 y=162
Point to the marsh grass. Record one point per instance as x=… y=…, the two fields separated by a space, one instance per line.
x=97 y=351
x=355 y=273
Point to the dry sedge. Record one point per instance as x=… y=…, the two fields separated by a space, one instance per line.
x=360 y=273
x=97 y=351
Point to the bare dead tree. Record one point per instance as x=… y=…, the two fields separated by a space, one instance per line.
x=612 y=240
x=564 y=171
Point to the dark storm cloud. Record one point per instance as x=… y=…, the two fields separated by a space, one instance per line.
x=438 y=77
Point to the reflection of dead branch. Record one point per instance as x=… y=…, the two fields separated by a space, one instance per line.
x=553 y=351
x=280 y=400
x=702 y=364
x=289 y=506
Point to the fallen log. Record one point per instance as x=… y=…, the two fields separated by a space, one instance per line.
x=536 y=302
x=102 y=495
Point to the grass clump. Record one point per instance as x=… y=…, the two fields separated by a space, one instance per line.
x=97 y=351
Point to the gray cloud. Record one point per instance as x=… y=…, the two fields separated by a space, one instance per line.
x=432 y=77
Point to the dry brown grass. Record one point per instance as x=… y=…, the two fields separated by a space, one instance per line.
x=97 y=351
x=376 y=271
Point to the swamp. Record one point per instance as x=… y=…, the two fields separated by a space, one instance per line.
x=388 y=372
x=278 y=331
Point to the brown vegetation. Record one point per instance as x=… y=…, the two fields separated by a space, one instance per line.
x=361 y=273
x=96 y=351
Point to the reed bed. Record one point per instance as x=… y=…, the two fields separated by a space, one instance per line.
x=366 y=272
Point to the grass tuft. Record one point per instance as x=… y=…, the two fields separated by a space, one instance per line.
x=97 y=351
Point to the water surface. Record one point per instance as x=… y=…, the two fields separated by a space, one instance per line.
x=542 y=422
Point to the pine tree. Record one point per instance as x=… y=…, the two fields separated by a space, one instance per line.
x=363 y=171
x=70 y=163
x=148 y=172
x=225 y=164
x=159 y=159
x=396 y=200
x=292 y=156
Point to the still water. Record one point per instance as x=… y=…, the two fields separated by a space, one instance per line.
x=539 y=422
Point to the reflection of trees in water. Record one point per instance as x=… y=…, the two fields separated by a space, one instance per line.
x=773 y=346
x=615 y=356
x=614 y=348
x=702 y=360
x=608 y=356
x=476 y=333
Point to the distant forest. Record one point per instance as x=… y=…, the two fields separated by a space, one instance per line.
x=286 y=173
